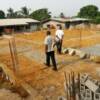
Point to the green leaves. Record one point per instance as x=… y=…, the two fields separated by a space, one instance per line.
x=41 y=14
x=2 y=14
x=89 y=11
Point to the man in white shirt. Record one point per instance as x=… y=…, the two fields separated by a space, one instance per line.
x=59 y=39
x=49 y=50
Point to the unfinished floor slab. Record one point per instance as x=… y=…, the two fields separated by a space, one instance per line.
x=92 y=50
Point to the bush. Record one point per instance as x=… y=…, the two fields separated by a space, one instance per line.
x=96 y=20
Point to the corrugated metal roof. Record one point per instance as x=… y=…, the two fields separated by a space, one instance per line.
x=79 y=19
x=17 y=21
x=69 y=19
x=29 y=20
x=60 y=19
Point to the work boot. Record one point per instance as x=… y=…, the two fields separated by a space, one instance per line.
x=55 y=69
x=46 y=64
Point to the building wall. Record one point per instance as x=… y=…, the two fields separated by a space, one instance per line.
x=67 y=25
x=79 y=25
x=34 y=27
x=20 y=28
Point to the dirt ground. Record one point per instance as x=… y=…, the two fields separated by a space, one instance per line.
x=48 y=83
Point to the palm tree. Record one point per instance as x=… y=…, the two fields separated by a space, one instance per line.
x=25 y=11
x=62 y=15
x=10 y=13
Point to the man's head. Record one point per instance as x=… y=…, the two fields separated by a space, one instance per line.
x=59 y=27
x=48 y=33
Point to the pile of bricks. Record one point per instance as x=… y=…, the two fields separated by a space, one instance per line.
x=82 y=87
x=89 y=88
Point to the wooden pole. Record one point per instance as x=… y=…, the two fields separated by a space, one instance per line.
x=15 y=53
x=79 y=94
x=70 y=94
x=12 y=55
x=15 y=50
x=73 y=86
x=67 y=94
x=80 y=38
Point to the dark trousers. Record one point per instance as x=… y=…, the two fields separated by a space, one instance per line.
x=51 y=55
x=59 y=46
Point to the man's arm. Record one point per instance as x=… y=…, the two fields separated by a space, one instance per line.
x=57 y=37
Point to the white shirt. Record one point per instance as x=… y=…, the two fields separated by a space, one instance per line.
x=49 y=42
x=59 y=34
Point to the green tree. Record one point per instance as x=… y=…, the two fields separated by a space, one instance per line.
x=96 y=20
x=25 y=11
x=14 y=14
x=41 y=14
x=2 y=14
x=89 y=11
x=62 y=15
x=10 y=13
x=18 y=14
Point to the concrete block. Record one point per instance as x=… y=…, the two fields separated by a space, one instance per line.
x=65 y=51
x=82 y=55
x=95 y=59
x=91 y=86
x=97 y=96
x=77 y=52
x=88 y=94
x=88 y=56
x=95 y=81
x=82 y=88
x=83 y=78
x=71 y=52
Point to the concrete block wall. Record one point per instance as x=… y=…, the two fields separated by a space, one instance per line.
x=87 y=93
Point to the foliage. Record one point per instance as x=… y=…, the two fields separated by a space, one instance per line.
x=89 y=11
x=62 y=15
x=2 y=14
x=40 y=14
x=10 y=13
x=25 y=11
x=96 y=20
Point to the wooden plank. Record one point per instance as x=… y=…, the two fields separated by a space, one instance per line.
x=17 y=81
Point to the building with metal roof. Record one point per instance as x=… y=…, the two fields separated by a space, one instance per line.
x=64 y=22
x=19 y=24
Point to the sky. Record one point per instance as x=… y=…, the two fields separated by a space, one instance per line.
x=68 y=7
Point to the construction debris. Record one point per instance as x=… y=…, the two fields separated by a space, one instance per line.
x=24 y=88
x=71 y=51
x=39 y=76
x=95 y=59
x=65 y=51
x=85 y=88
